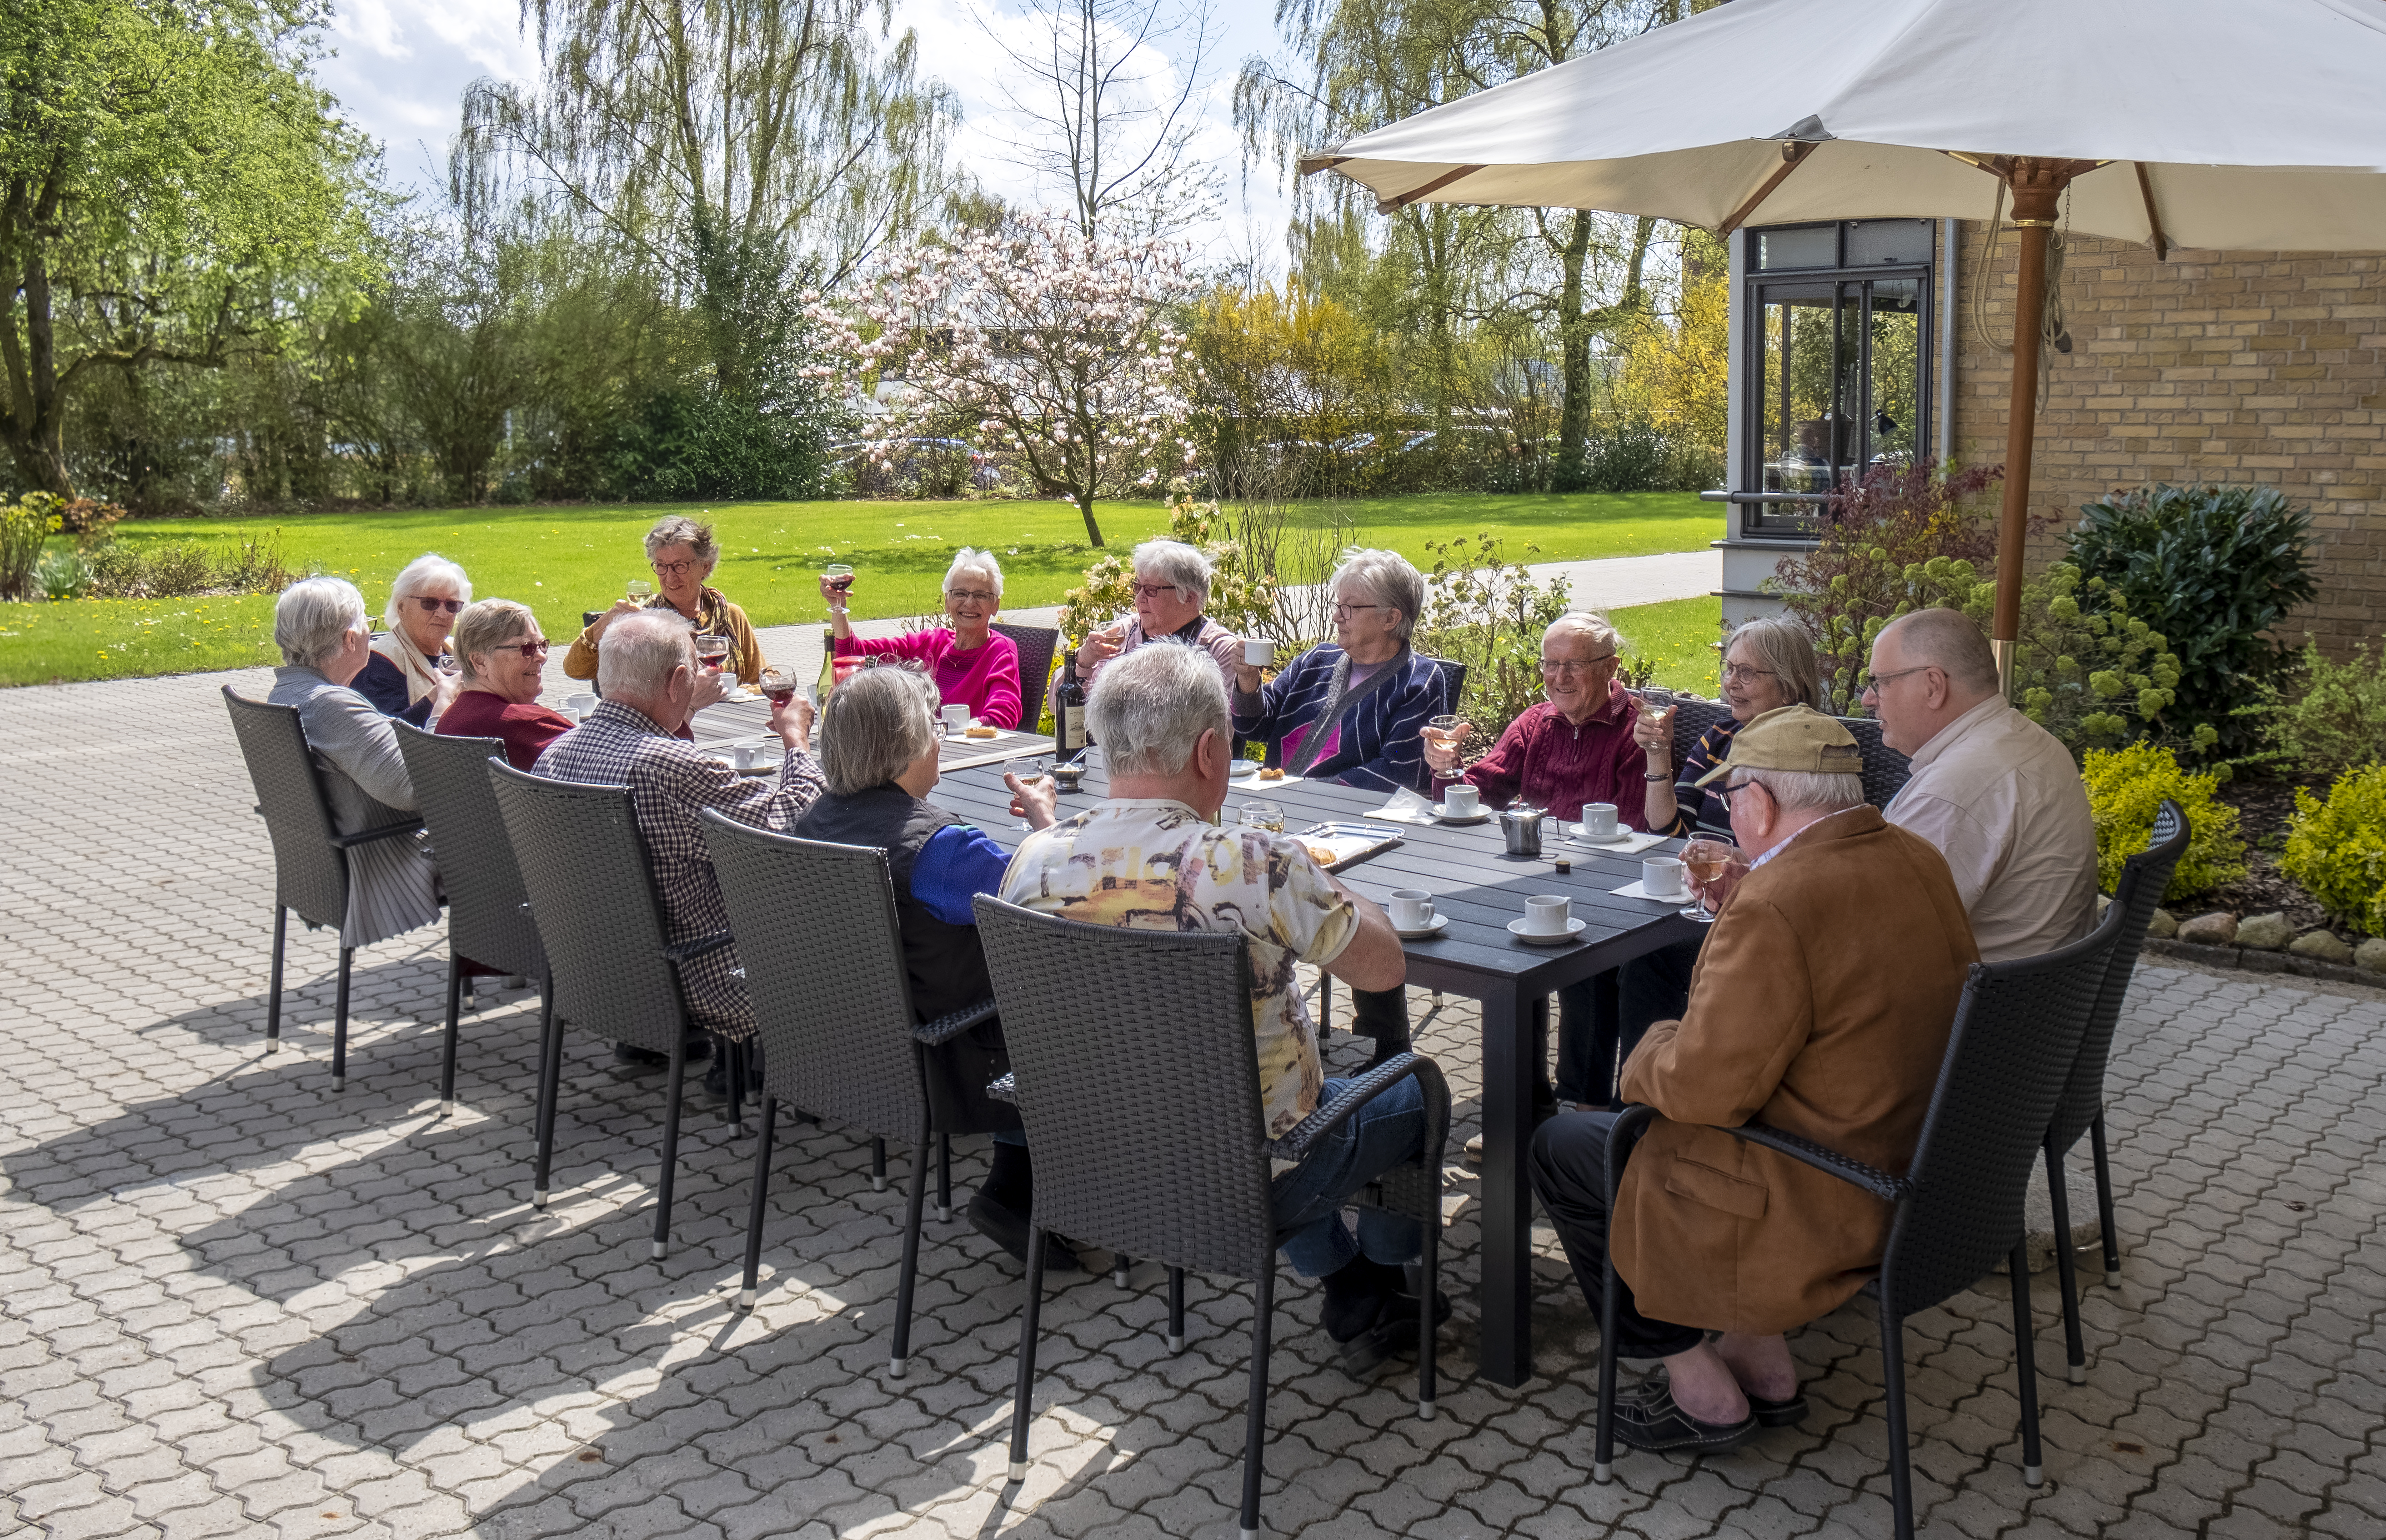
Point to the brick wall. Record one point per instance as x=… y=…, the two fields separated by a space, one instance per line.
x=2239 y=367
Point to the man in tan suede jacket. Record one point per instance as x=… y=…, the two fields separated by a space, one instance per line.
x=1821 y=1007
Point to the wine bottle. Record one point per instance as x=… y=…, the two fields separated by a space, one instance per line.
x=1069 y=713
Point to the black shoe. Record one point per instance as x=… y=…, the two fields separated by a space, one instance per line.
x=1778 y=1414
x=630 y=1055
x=1649 y=1419
x=1393 y=1332
x=1007 y=1227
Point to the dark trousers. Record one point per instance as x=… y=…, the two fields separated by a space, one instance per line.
x=1382 y=1014
x=1603 y=1018
x=1569 y=1170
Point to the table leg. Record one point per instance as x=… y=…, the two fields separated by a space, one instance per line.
x=1507 y=1076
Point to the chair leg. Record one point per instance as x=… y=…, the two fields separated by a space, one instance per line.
x=1429 y=1340
x=2025 y=1360
x=1324 y=1004
x=340 y=1022
x=1176 y=1310
x=273 y=989
x=2075 y=1348
x=877 y=1165
x=551 y=1071
x=944 y=1177
x=910 y=1274
x=2104 y=1202
x=1603 y=1448
x=1119 y=1264
x=760 y=1198
x=670 y=1142
x=447 y=1048
x=1892 y=1378
x=731 y=1055
x=1028 y=1323
x=1255 y=1423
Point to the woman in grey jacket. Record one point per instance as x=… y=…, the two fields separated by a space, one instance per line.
x=325 y=639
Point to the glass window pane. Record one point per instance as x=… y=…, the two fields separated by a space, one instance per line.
x=1801 y=247
x=1894 y=401
x=1800 y=321
x=1874 y=242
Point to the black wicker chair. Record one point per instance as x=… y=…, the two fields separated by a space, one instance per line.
x=1149 y=1139
x=1958 y=1210
x=488 y=910
x=833 y=1007
x=2144 y=876
x=310 y=857
x=600 y=922
x=1036 y=645
x=1692 y=717
x=1885 y=771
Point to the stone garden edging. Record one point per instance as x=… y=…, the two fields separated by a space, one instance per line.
x=2257 y=961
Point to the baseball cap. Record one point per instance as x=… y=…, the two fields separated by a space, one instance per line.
x=1790 y=738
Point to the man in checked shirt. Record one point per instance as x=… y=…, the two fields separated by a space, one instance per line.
x=649 y=677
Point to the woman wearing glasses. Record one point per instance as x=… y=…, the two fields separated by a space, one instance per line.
x=503 y=658
x=682 y=553
x=1768 y=664
x=402 y=679
x=1172 y=583
x=972 y=664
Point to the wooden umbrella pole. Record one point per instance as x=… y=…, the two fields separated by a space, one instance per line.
x=2037 y=198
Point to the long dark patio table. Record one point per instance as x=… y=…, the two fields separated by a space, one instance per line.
x=1481 y=888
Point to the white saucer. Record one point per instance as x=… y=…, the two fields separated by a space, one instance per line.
x=1242 y=768
x=740 y=695
x=1431 y=927
x=1574 y=928
x=1459 y=817
x=1621 y=836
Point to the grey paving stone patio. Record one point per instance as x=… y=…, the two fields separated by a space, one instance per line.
x=234 y=1303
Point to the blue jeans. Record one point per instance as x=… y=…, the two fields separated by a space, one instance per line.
x=1386 y=1133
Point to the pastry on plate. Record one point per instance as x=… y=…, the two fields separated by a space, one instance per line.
x=1271 y=773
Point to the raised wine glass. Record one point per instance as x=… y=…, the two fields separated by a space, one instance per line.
x=640 y=590
x=1704 y=860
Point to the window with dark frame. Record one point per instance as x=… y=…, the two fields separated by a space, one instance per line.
x=1838 y=362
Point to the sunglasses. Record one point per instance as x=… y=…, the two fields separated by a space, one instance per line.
x=537 y=648
x=433 y=607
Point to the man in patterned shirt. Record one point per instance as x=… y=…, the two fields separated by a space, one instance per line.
x=1154 y=856
x=649 y=677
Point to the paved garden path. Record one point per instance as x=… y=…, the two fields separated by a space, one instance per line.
x=233 y=1303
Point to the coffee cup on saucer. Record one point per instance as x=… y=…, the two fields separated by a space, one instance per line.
x=1411 y=910
x=742 y=755
x=1548 y=916
x=1598 y=821
x=580 y=705
x=957 y=719
x=1461 y=800
x=1660 y=877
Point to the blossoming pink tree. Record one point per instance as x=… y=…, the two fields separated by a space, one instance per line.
x=1055 y=344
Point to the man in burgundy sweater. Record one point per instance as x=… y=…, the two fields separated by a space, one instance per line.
x=1575 y=747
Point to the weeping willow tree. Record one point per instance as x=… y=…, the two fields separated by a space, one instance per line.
x=742 y=149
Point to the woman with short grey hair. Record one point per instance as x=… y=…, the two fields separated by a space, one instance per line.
x=682 y=552
x=319 y=625
x=403 y=677
x=879 y=749
x=972 y=664
x=1170 y=587
x=1395 y=588
x=1149 y=724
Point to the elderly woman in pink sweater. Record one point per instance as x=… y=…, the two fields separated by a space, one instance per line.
x=973 y=665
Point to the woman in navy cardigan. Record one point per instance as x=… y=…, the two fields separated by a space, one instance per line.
x=1353 y=710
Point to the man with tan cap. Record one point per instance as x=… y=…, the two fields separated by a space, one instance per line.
x=1820 y=1006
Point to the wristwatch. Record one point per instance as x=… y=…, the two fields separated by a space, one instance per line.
x=1652 y=780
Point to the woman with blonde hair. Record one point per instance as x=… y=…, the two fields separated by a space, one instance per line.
x=402 y=679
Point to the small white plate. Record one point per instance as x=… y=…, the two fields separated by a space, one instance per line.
x=1445 y=817
x=1574 y=928
x=739 y=697
x=1431 y=927
x=1242 y=768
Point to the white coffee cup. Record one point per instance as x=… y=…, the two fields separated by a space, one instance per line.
x=956 y=720
x=1662 y=877
x=1412 y=908
x=742 y=755
x=1460 y=799
x=1598 y=821
x=1258 y=652
x=580 y=705
x=1547 y=917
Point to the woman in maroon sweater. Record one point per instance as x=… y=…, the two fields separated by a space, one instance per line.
x=503 y=660
x=1576 y=747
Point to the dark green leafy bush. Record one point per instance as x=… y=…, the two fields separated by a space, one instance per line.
x=2213 y=569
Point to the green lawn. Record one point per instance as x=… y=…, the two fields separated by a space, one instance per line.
x=1680 y=634
x=563 y=561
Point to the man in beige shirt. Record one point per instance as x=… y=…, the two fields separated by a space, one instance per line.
x=1995 y=791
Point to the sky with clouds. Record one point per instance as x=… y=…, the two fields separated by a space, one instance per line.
x=400 y=67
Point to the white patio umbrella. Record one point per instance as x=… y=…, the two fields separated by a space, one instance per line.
x=2226 y=124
